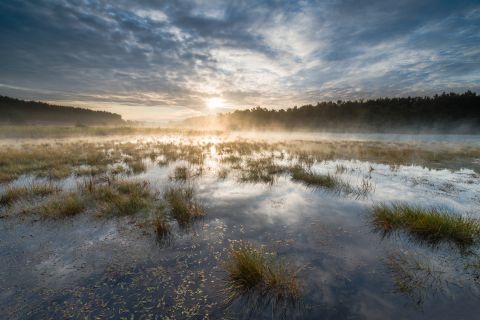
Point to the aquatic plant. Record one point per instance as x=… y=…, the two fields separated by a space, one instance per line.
x=65 y=205
x=260 y=170
x=124 y=197
x=15 y=193
x=181 y=173
x=183 y=205
x=161 y=225
x=250 y=270
x=366 y=187
x=222 y=173
x=430 y=225
x=136 y=165
x=414 y=276
x=327 y=181
x=340 y=168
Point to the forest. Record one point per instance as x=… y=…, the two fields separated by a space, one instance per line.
x=15 y=111
x=448 y=112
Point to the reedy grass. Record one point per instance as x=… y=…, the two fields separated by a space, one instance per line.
x=430 y=225
x=65 y=205
x=136 y=166
x=124 y=198
x=184 y=208
x=250 y=270
x=161 y=225
x=261 y=170
x=12 y=194
x=222 y=173
x=181 y=173
x=327 y=181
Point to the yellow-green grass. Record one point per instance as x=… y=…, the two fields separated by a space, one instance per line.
x=261 y=170
x=184 y=208
x=327 y=181
x=136 y=165
x=250 y=270
x=123 y=198
x=13 y=194
x=62 y=206
x=430 y=225
x=52 y=160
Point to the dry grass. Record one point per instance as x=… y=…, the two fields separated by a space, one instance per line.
x=65 y=205
x=13 y=194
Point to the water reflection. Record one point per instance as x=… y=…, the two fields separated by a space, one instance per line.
x=87 y=267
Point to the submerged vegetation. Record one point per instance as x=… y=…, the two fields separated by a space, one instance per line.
x=430 y=225
x=414 y=276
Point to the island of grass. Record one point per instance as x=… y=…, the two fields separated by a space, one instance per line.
x=252 y=271
x=431 y=225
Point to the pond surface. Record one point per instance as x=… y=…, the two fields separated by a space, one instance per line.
x=87 y=267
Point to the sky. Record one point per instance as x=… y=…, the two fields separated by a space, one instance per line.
x=161 y=61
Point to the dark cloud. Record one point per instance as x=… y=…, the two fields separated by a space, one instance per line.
x=176 y=54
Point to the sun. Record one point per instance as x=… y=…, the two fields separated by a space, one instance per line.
x=214 y=103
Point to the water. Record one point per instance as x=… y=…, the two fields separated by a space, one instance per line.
x=112 y=268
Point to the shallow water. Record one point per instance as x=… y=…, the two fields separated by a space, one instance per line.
x=112 y=268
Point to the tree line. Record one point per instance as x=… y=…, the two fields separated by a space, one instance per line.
x=16 y=111
x=448 y=112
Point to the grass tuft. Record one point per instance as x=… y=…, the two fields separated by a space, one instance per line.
x=13 y=194
x=183 y=206
x=161 y=227
x=181 y=173
x=326 y=181
x=124 y=198
x=429 y=225
x=252 y=270
x=65 y=205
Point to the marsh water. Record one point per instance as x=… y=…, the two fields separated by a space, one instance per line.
x=87 y=267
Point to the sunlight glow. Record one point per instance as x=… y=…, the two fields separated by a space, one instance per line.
x=214 y=103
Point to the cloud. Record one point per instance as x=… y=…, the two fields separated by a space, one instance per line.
x=170 y=57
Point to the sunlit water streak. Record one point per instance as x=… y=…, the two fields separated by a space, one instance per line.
x=111 y=268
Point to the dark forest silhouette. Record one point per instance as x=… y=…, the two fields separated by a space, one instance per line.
x=15 y=111
x=441 y=113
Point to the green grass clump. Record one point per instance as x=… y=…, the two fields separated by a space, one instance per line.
x=65 y=205
x=326 y=181
x=183 y=206
x=124 y=198
x=13 y=194
x=430 y=225
x=261 y=170
x=250 y=270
